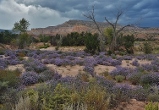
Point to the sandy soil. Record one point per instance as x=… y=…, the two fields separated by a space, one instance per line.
x=66 y=70
x=64 y=49
x=14 y=67
x=132 y=105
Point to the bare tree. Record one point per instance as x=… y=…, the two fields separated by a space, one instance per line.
x=116 y=31
x=91 y=16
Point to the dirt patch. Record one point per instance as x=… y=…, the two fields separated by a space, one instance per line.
x=66 y=70
x=14 y=67
x=102 y=68
x=65 y=49
x=132 y=105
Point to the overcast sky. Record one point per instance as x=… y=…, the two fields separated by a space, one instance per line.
x=43 y=13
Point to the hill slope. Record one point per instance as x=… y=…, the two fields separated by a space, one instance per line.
x=87 y=26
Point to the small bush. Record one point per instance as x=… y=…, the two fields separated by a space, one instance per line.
x=153 y=97
x=12 y=77
x=147 y=48
x=96 y=98
x=149 y=79
x=134 y=78
x=119 y=78
x=151 y=106
x=78 y=107
x=46 y=75
x=2 y=52
x=23 y=104
x=29 y=78
x=84 y=76
x=91 y=43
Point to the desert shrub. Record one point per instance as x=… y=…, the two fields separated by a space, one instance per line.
x=151 y=106
x=46 y=75
x=91 y=43
x=147 y=48
x=121 y=71
x=12 y=77
x=84 y=76
x=35 y=65
x=6 y=37
x=134 y=77
x=149 y=79
x=9 y=98
x=57 y=99
x=2 y=52
x=105 y=83
x=29 y=78
x=139 y=93
x=150 y=67
x=33 y=97
x=153 y=97
x=122 y=92
x=59 y=62
x=24 y=40
x=129 y=43
x=78 y=107
x=3 y=64
x=23 y=104
x=73 y=39
x=119 y=78
x=44 y=38
x=89 y=69
x=96 y=98
x=135 y=63
x=153 y=94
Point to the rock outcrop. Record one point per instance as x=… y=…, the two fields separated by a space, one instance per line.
x=88 y=26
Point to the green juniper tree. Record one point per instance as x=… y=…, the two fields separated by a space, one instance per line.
x=23 y=39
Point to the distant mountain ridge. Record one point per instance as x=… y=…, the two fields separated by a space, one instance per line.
x=85 y=26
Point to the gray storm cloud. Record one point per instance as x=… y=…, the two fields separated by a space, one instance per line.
x=43 y=13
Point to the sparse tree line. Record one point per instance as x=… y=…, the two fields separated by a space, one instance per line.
x=110 y=43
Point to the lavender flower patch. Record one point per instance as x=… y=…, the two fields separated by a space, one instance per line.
x=79 y=61
x=3 y=64
x=121 y=71
x=14 y=62
x=105 y=83
x=123 y=92
x=46 y=75
x=155 y=62
x=36 y=65
x=89 y=69
x=108 y=61
x=9 y=53
x=141 y=57
x=90 y=61
x=59 y=62
x=67 y=80
x=89 y=64
x=125 y=57
x=29 y=78
x=57 y=76
x=150 y=67
x=150 y=57
x=70 y=57
x=139 y=93
x=150 y=79
x=135 y=63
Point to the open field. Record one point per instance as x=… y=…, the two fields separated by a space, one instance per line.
x=135 y=76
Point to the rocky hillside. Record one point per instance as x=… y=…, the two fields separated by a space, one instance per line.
x=89 y=26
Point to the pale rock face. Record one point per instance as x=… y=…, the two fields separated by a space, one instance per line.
x=88 y=26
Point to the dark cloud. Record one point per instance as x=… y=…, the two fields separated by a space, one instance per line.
x=52 y=12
